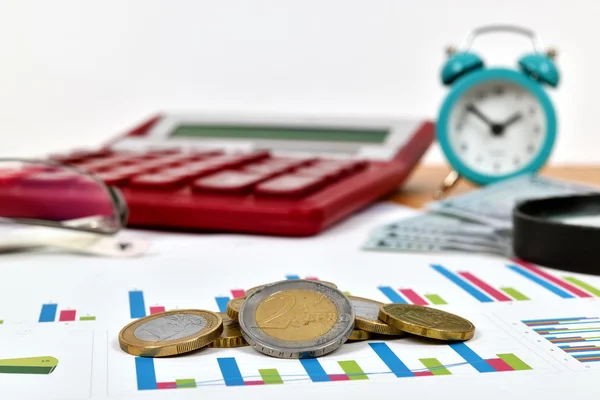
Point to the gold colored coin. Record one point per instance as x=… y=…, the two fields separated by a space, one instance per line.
x=170 y=333
x=255 y=288
x=367 y=317
x=233 y=308
x=307 y=315
x=427 y=321
x=358 y=334
x=231 y=336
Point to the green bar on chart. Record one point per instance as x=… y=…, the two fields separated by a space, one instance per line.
x=1 y=321
x=270 y=376
x=583 y=285
x=434 y=366
x=353 y=370
x=185 y=383
x=87 y=318
x=514 y=293
x=515 y=362
x=28 y=365
x=435 y=299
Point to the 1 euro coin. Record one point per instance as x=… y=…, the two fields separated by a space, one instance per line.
x=170 y=333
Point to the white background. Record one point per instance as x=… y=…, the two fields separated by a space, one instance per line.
x=75 y=73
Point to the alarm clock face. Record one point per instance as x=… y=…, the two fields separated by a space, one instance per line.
x=497 y=127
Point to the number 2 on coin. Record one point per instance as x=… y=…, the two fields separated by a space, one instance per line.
x=269 y=322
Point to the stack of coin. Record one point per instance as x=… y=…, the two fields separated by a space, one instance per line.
x=289 y=319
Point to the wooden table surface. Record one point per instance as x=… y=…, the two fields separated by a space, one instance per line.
x=423 y=182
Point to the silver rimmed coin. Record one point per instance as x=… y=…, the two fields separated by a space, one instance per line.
x=296 y=319
x=170 y=333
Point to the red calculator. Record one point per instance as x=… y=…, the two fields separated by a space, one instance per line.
x=273 y=176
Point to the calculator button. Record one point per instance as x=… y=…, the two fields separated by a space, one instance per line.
x=267 y=169
x=196 y=169
x=182 y=171
x=130 y=170
x=290 y=162
x=325 y=173
x=290 y=185
x=157 y=181
x=113 y=178
x=203 y=155
x=227 y=181
x=96 y=166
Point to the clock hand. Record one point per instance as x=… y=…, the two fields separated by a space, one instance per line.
x=479 y=114
x=512 y=120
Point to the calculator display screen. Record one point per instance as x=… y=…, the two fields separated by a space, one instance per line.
x=282 y=133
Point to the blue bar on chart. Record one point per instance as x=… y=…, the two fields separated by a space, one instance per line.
x=230 y=371
x=392 y=295
x=315 y=371
x=545 y=284
x=48 y=313
x=137 y=307
x=471 y=357
x=390 y=359
x=556 y=321
x=222 y=303
x=585 y=358
x=292 y=277
x=145 y=373
x=467 y=287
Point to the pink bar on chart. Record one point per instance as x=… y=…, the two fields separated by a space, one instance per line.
x=531 y=268
x=499 y=365
x=424 y=373
x=166 y=385
x=238 y=293
x=67 y=315
x=413 y=297
x=250 y=383
x=311 y=278
x=498 y=295
x=156 y=309
x=339 y=377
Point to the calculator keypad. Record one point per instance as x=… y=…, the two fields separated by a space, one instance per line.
x=257 y=173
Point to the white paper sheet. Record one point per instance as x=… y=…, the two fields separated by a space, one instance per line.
x=193 y=271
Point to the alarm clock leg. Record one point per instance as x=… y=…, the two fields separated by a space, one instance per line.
x=449 y=182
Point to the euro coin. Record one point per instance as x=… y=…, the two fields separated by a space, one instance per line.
x=367 y=317
x=252 y=290
x=296 y=319
x=358 y=334
x=170 y=333
x=426 y=321
x=231 y=336
x=233 y=308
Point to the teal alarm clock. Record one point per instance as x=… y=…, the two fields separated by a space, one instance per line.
x=496 y=123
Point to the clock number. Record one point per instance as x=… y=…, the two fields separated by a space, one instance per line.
x=517 y=161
